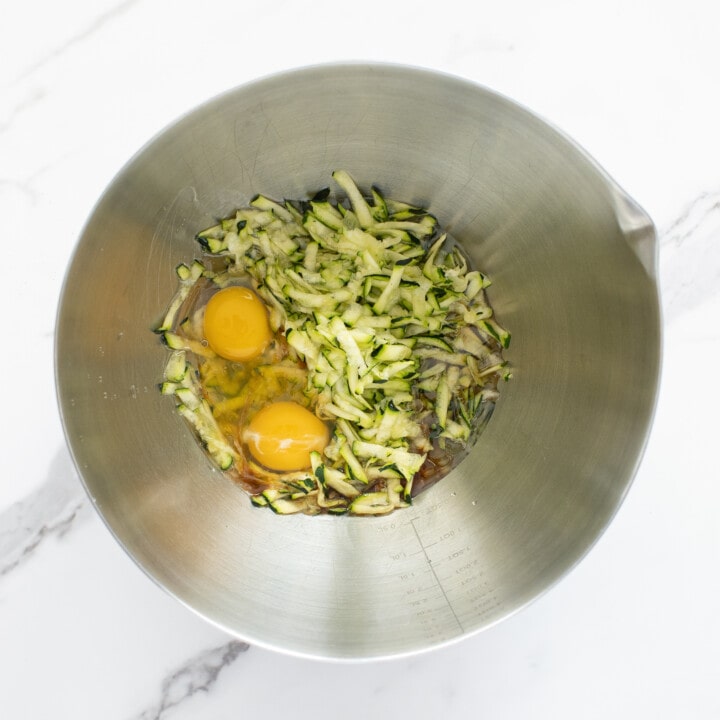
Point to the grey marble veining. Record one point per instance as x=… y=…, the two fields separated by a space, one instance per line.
x=52 y=510
x=91 y=28
x=197 y=675
x=690 y=256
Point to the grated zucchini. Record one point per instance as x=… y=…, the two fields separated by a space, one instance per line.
x=400 y=343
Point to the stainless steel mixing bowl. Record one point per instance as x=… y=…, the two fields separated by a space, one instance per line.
x=573 y=261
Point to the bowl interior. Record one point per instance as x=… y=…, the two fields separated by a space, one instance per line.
x=546 y=476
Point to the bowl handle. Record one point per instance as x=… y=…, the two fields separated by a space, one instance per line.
x=638 y=229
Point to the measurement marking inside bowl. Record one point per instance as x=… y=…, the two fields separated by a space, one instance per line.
x=435 y=575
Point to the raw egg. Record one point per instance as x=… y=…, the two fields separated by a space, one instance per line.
x=281 y=436
x=236 y=324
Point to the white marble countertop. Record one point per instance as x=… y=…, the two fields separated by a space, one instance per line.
x=632 y=632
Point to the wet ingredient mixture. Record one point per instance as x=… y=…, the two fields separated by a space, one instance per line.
x=333 y=356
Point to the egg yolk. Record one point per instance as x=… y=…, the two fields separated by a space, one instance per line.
x=236 y=324
x=281 y=436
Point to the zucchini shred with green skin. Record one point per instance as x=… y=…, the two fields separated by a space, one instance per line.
x=382 y=330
